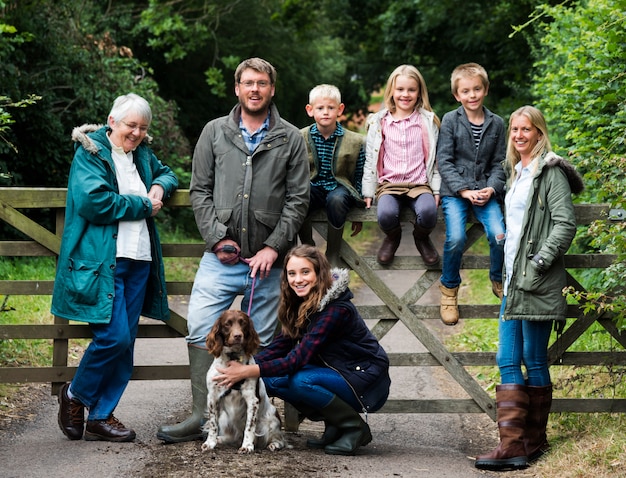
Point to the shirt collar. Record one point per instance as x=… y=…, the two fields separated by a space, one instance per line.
x=338 y=130
x=411 y=118
x=264 y=127
x=117 y=149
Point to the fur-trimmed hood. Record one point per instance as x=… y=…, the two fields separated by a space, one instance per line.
x=573 y=177
x=83 y=136
x=341 y=280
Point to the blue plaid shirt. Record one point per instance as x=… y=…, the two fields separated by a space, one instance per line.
x=325 y=149
x=254 y=139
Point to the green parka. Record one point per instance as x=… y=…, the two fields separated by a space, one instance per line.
x=84 y=286
x=549 y=226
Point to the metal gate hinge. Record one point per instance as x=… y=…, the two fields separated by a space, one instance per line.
x=617 y=214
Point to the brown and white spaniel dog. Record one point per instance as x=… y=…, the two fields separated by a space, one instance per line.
x=243 y=413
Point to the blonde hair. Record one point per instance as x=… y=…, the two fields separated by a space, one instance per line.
x=543 y=145
x=468 y=70
x=325 y=91
x=422 y=94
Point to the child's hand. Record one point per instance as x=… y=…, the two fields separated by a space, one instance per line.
x=368 y=203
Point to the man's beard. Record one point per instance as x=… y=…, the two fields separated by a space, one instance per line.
x=261 y=110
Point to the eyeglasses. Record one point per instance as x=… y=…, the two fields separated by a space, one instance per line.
x=134 y=126
x=250 y=83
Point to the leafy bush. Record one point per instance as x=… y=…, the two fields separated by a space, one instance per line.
x=581 y=88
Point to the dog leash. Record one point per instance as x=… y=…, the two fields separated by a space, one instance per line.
x=235 y=250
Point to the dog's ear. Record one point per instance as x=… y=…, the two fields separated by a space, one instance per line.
x=251 y=337
x=214 y=339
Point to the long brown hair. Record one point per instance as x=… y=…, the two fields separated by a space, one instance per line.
x=294 y=311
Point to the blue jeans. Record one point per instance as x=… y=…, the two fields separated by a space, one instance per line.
x=456 y=212
x=107 y=364
x=523 y=341
x=313 y=386
x=336 y=202
x=389 y=206
x=214 y=290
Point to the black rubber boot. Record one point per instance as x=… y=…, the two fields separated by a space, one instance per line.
x=353 y=431
x=334 y=237
x=191 y=429
x=306 y=232
x=331 y=434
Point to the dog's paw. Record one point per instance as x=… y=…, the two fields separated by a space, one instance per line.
x=209 y=445
x=275 y=446
x=246 y=448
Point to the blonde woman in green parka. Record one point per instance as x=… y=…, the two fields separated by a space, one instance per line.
x=540 y=225
x=110 y=267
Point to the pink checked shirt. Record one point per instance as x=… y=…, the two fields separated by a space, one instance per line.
x=402 y=150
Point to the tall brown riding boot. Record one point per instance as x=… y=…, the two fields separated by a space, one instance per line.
x=449 y=309
x=425 y=246
x=539 y=404
x=512 y=410
x=390 y=245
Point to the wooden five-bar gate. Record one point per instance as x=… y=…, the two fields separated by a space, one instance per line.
x=44 y=242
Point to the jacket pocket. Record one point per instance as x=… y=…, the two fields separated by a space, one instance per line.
x=84 y=281
x=533 y=278
x=266 y=223
x=224 y=214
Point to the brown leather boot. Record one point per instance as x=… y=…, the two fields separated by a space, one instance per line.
x=539 y=404
x=390 y=245
x=425 y=246
x=512 y=410
x=448 y=309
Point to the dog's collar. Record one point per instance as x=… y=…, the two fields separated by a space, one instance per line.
x=236 y=356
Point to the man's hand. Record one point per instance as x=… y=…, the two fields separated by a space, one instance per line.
x=227 y=251
x=262 y=262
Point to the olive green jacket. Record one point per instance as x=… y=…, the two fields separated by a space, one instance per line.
x=549 y=226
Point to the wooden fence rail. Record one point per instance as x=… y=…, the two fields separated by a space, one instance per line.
x=44 y=242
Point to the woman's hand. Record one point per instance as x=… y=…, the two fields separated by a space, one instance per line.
x=235 y=372
x=155 y=195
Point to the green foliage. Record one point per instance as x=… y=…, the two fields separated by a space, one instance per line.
x=438 y=36
x=74 y=64
x=581 y=88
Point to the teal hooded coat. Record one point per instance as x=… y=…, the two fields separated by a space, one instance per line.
x=84 y=285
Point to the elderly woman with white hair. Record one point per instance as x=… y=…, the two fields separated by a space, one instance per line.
x=110 y=268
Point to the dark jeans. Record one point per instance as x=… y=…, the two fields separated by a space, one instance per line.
x=107 y=364
x=336 y=202
x=312 y=386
